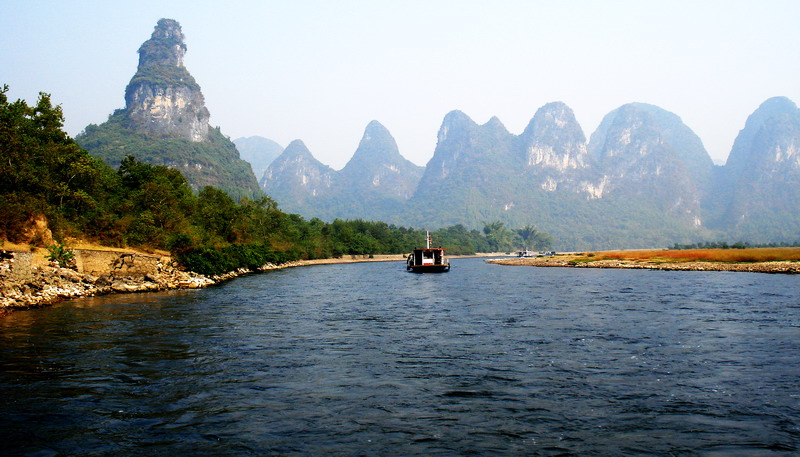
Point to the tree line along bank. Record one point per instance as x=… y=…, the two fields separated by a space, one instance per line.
x=45 y=175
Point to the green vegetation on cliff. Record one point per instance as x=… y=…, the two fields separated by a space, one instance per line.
x=162 y=75
x=209 y=163
x=160 y=59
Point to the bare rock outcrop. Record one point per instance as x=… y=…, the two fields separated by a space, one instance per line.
x=24 y=285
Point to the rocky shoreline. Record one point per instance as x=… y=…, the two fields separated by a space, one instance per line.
x=567 y=261
x=45 y=285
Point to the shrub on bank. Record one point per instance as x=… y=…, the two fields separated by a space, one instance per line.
x=213 y=261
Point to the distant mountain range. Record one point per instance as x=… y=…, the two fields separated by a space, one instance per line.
x=375 y=184
x=643 y=179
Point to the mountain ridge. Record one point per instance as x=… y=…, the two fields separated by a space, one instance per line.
x=643 y=178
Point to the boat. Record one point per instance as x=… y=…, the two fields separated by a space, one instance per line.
x=527 y=253
x=428 y=259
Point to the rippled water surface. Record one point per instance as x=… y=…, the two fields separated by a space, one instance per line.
x=367 y=359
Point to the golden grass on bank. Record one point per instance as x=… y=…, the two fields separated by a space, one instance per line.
x=703 y=255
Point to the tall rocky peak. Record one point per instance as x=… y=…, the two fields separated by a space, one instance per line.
x=761 y=181
x=645 y=152
x=165 y=122
x=162 y=98
x=297 y=172
x=377 y=166
x=471 y=163
x=376 y=145
x=454 y=126
x=769 y=138
x=296 y=152
x=639 y=135
x=496 y=126
x=554 y=139
x=165 y=46
x=453 y=137
x=463 y=143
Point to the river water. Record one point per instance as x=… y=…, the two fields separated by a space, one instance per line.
x=367 y=359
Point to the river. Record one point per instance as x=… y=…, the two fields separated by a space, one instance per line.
x=368 y=359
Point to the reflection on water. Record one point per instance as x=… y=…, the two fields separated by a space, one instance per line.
x=366 y=359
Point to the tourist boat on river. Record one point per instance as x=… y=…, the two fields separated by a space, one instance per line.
x=428 y=259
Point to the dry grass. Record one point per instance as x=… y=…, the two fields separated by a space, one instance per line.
x=702 y=255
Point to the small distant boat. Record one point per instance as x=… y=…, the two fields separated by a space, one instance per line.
x=527 y=253
x=427 y=260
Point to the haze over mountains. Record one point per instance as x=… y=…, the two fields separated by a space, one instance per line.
x=643 y=178
x=258 y=151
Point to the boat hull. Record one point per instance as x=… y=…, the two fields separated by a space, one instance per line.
x=429 y=268
x=427 y=260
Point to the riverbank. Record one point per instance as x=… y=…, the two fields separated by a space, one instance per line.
x=47 y=285
x=597 y=260
x=43 y=284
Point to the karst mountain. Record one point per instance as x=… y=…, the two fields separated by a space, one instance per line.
x=165 y=122
x=643 y=179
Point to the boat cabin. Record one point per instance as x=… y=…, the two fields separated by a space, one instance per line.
x=427 y=259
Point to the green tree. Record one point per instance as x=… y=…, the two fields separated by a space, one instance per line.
x=157 y=200
x=499 y=237
x=534 y=239
x=43 y=171
x=216 y=213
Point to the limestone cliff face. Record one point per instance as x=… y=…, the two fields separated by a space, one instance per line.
x=173 y=111
x=553 y=139
x=555 y=151
x=162 y=97
x=645 y=152
x=760 y=184
x=165 y=122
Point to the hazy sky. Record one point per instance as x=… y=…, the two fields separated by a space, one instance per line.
x=321 y=70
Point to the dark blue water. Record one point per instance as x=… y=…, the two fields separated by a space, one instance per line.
x=367 y=359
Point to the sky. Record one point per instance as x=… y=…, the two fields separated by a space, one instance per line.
x=320 y=71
